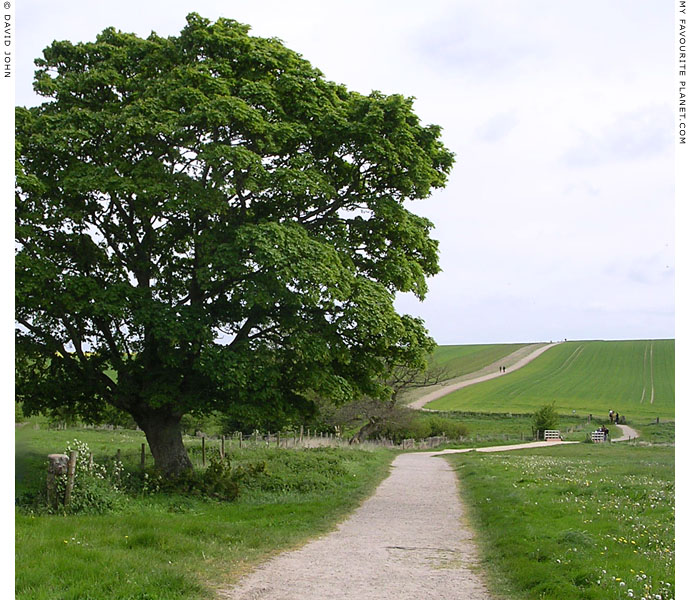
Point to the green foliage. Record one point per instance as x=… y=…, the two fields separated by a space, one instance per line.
x=96 y=489
x=173 y=546
x=588 y=377
x=204 y=222
x=451 y=428
x=410 y=424
x=219 y=481
x=544 y=418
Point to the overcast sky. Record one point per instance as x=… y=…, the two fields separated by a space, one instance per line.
x=557 y=220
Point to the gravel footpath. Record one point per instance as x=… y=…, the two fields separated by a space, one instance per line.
x=628 y=434
x=408 y=541
x=490 y=372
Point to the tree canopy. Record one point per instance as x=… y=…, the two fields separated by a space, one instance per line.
x=204 y=222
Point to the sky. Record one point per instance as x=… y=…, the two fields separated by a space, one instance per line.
x=558 y=218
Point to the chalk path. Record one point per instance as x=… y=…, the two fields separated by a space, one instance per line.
x=513 y=362
x=408 y=541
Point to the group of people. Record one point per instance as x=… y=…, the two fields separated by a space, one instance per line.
x=501 y=369
x=615 y=418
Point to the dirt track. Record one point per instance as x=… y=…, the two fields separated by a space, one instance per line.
x=408 y=541
x=512 y=362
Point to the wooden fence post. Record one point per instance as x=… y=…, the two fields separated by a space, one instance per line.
x=71 y=468
x=240 y=438
x=90 y=461
x=222 y=447
x=143 y=455
x=57 y=466
x=278 y=440
x=203 y=450
x=301 y=433
x=118 y=455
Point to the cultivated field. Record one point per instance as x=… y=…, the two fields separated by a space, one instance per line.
x=462 y=360
x=634 y=378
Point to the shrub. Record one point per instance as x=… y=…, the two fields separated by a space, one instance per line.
x=451 y=428
x=96 y=489
x=220 y=480
x=544 y=418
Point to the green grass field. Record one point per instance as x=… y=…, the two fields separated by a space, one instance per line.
x=173 y=546
x=634 y=378
x=588 y=521
x=462 y=360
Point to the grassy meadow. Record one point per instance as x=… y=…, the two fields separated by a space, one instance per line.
x=588 y=521
x=166 y=546
x=462 y=360
x=634 y=378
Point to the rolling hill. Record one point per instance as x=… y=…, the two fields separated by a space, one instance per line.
x=634 y=378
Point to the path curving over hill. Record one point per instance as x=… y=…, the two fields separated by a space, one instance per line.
x=628 y=434
x=512 y=362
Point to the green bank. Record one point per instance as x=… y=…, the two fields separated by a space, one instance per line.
x=634 y=378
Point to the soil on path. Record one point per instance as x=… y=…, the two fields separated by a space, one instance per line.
x=512 y=362
x=408 y=541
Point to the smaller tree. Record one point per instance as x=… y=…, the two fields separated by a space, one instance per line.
x=380 y=415
x=544 y=418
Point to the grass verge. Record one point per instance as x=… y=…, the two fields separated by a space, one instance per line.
x=591 y=521
x=170 y=547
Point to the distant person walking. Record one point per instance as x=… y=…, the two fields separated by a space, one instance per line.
x=617 y=418
x=611 y=416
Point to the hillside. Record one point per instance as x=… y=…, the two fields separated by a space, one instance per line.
x=635 y=378
x=462 y=360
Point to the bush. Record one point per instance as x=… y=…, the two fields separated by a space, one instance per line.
x=544 y=418
x=220 y=480
x=451 y=428
x=303 y=471
x=96 y=489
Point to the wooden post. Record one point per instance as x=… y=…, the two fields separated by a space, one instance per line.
x=278 y=440
x=222 y=447
x=57 y=466
x=90 y=461
x=657 y=420
x=240 y=438
x=143 y=455
x=301 y=433
x=71 y=468
x=118 y=455
x=203 y=450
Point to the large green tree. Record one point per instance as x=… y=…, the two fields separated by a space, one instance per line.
x=204 y=222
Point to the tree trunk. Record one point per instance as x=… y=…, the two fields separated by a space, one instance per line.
x=365 y=432
x=164 y=435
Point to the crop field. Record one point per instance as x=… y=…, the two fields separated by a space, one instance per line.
x=588 y=521
x=634 y=378
x=461 y=360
